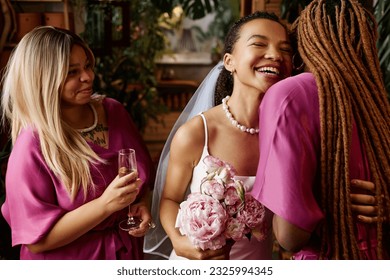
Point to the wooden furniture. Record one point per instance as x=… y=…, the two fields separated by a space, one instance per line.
x=8 y=22
x=176 y=93
x=27 y=14
x=249 y=6
x=41 y=6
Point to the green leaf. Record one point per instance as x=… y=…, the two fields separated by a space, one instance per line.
x=382 y=15
x=127 y=74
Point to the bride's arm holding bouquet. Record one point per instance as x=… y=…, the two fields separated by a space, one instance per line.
x=185 y=153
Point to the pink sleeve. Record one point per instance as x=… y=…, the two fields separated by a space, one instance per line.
x=286 y=178
x=31 y=206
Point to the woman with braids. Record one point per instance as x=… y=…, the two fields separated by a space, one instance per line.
x=320 y=129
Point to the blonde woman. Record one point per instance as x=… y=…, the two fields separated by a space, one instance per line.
x=64 y=198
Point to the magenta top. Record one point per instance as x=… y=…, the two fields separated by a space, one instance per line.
x=36 y=198
x=287 y=179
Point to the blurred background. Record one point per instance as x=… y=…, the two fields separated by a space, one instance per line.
x=151 y=54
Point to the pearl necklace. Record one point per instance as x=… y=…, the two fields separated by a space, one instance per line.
x=234 y=122
x=95 y=121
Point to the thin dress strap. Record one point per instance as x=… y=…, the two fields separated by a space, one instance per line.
x=206 y=136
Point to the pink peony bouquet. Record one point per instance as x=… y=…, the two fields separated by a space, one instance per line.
x=222 y=209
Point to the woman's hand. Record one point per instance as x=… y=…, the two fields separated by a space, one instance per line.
x=141 y=210
x=121 y=192
x=364 y=203
x=184 y=248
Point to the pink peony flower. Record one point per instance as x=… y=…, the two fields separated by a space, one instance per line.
x=253 y=213
x=235 y=229
x=203 y=220
x=214 y=189
x=233 y=202
x=232 y=196
x=221 y=211
x=219 y=170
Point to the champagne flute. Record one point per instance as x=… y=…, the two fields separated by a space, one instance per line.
x=127 y=163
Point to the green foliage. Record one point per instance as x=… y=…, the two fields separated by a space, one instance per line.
x=194 y=9
x=128 y=72
x=382 y=14
x=226 y=14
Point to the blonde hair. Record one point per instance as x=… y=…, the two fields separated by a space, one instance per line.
x=337 y=41
x=32 y=85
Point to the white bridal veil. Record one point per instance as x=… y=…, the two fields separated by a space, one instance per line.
x=156 y=241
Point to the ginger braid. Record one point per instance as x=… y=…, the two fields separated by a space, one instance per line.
x=338 y=44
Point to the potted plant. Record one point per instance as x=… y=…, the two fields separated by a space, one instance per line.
x=126 y=70
x=225 y=14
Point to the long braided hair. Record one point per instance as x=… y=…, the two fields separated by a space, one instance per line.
x=337 y=41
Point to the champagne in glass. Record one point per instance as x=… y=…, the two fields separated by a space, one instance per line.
x=127 y=163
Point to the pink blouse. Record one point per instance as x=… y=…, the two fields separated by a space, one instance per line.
x=36 y=198
x=287 y=180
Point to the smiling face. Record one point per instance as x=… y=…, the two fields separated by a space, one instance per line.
x=78 y=84
x=261 y=56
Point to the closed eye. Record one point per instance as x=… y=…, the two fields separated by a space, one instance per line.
x=88 y=65
x=286 y=49
x=72 y=72
x=259 y=44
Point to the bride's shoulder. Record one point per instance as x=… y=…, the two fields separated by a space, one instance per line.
x=192 y=126
x=191 y=133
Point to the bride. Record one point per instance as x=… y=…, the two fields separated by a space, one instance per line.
x=257 y=55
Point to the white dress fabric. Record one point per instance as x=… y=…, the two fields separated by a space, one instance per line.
x=245 y=249
x=156 y=242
